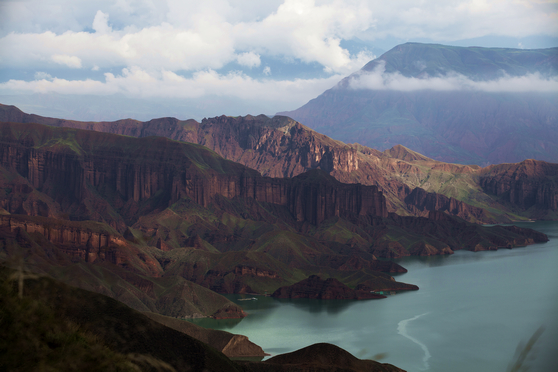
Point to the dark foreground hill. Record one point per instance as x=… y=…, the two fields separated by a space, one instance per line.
x=46 y=325
x=453 y=104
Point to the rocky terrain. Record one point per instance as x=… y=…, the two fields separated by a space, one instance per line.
x=162 y=225
x=413 y=184
x=330 y=289
x=321 y=357
x=452 y=104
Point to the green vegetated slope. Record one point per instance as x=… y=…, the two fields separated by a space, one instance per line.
x=474 y=113
x=507 y=192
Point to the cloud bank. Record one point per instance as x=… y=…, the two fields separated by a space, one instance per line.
x=247 y=50
x=138 y=83
x=194 y=37
x=378 y=79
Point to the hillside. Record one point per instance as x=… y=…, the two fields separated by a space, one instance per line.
x=52 y=326
x=453 y=104
x=162 y=225
x=413 y=184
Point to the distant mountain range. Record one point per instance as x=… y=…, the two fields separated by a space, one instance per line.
x=454 y=104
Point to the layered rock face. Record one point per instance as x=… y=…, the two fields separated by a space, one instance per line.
x=430 y=201
x=73 y=238
x=288 y=145
x=525 y=185
x=136 y=172
x=281 y=147
x=276 y=147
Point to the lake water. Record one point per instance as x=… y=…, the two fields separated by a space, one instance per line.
x=472 y=312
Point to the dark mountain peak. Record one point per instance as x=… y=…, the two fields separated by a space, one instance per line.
x=330 y=358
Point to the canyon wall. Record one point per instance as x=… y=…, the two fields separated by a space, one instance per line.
x=528 y=184
x=66 y=164
x=71 y=237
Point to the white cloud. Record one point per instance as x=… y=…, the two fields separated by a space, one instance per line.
x=159 y=40
x=451 y=20
x=308 y=31
x=70 y=61
x=249 y=59
x=199 y=35
x=100 y=23
x=379 y=80
x=192 y=35
x=136 y=82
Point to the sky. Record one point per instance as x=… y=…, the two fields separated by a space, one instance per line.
x=108 y=60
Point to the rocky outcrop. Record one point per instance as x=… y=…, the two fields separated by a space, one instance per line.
x=255 y=271
x=320 y=357
x=330 y=289
x=74 y=238
x=430 y=201
x=137 y=169
x=286 y=147
x=229 y=312
x=529 y=184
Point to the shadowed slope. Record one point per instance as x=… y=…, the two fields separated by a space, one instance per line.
x=115 y=325
x=322 y=358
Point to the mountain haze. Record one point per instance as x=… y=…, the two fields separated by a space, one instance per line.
x=454 y=104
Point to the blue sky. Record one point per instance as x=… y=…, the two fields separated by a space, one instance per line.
x=106 y=60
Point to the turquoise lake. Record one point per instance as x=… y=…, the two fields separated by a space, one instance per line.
x=472 y=313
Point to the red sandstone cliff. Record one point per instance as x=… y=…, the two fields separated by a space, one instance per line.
x=72 y=163
x=281 y=147
x=529 y=184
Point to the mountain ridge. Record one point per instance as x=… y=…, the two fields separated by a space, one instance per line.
x=281 y=147
x=436 y=100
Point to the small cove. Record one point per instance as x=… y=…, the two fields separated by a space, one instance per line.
x=470 y=314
